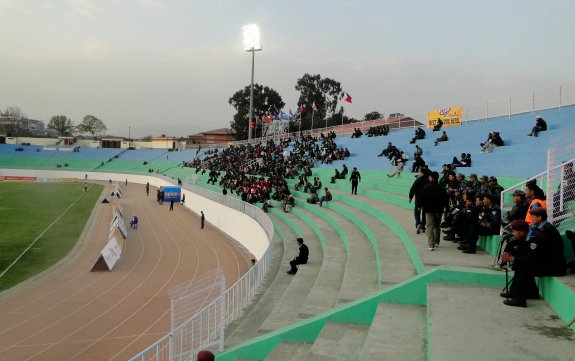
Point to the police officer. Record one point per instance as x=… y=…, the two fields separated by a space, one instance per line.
x=354 y=178
x=532 y=256
x=489 y=217
x=520 y=207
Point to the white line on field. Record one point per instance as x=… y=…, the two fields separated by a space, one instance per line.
x=40 y=236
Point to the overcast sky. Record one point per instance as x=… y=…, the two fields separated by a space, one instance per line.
x=171 y=66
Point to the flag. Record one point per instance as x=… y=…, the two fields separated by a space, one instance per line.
x=268 y=119
x=347 y=98
x=290 y=115
x=276 y=116
x=283 y=116
x=313 y=105
x=302 y=109
x=252 y=124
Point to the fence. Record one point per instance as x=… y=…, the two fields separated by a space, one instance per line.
x=561 y=181
x=526 y=102
x=558 y=182
x=205 y=329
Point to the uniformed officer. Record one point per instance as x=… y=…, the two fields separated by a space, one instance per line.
x=533 y=256
x=354 y=178
x=489 y=217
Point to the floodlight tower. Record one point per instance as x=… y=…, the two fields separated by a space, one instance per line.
x=252 y=44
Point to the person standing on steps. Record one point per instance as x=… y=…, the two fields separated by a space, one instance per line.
x=354 y=178
x=434 y=200
x=202 y=219
x=301 y=257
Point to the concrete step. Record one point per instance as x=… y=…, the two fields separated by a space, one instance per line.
x=446 y=254
x=324 y=293
x=289 y=351
x=396 y=266
x=338 y=341
x=271 y=291
x=472 y=323
x=360 y=276
x=288 y=307
x=396 y=333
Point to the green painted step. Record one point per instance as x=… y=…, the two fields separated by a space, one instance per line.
x=289 y=351
x=338 y=341
x=396 y=333
x=472 y=323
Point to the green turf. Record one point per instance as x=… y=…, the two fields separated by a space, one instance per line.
x=26 y=210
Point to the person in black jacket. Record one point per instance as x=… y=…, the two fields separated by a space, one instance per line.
x=354 y=178
x=540 y=126
x=540 y=225
x=533 y=256
x=415 y=192
x=301 y=257
x=434 y=200
x=519 y=210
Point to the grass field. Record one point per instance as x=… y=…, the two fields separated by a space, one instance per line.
x=27 y=210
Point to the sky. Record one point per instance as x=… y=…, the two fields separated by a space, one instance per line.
x=169 y=67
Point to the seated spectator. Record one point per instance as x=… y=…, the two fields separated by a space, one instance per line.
x=493 y=140
x=442 y=138
x=397 y=170
x=289 y=203
x=313 y=199
x=489 y=217
x=266 y=205
x=438 y=125
x=540 y=126
x=519 y=210
x=418 y=150
x=134 y=222
x=418 y=163
x=386 y=151
x=419 y=134
x=325 y=198
x=357 y=133
x=344 y=172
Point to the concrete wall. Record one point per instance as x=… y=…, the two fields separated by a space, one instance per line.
x=235 y=224
x=32 y=141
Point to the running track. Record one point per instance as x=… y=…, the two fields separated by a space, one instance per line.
x=70 y=313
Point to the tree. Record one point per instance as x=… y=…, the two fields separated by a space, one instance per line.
x=373 y=116
x=14 y=126
x=62 y=124
x=325 y=93
x=92 y=126
x=266 y=101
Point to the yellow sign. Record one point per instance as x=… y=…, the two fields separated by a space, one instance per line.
x=449 y=116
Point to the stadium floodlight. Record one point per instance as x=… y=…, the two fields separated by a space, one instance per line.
x=252 y=44
x=252 y=38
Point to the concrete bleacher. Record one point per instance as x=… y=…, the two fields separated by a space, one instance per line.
x=371 y=291
x=528 y=155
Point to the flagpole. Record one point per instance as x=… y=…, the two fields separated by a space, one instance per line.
x=312 y=114
x=299 y=130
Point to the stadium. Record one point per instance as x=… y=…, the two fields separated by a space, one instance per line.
x=370 y=285
x=437 y=234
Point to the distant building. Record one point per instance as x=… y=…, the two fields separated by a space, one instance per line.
x=217 y=136
x=9 y=122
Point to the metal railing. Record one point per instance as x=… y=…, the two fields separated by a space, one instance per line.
x=527 y=102
x=205 y=330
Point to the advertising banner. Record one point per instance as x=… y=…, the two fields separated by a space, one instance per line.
x=449 y=116
x=8 y=178
x=172 y=193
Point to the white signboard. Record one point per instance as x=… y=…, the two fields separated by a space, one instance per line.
x=111 y=253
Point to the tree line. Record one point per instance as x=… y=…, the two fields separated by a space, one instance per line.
x=14 y=124
x=324 y=93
